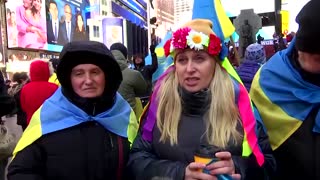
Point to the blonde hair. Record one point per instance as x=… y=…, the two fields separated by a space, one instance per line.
x=221 y=118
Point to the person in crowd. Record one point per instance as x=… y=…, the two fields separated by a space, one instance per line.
x=133 y=84
x=53 y=78
x=146 y=70
x=79 y=33
x=38 y=89
x=254 y=57
x=286 y=93
x=20 y=79
x=7 y=105
x=85 y=126
x=198 y=102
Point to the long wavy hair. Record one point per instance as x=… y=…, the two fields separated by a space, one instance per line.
x=221 y=118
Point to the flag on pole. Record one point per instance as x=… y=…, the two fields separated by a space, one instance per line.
x=213 y=10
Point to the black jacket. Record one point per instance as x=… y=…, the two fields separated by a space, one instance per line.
x=298 y=157
x=7 y=103
x=83 y=152
x=147 y=71
x=154 y=159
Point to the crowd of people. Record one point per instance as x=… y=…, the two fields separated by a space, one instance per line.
x=204 y=119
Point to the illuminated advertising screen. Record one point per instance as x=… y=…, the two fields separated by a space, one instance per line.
x=46 y=24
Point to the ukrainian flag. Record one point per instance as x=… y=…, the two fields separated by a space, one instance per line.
x=213 y=10
x=222 y=27
x=283 y=99
x=58 y=113
x=163 y=61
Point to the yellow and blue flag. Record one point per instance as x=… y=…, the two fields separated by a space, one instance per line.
x=283 y=99
x=163 y=61
x=58 y=113
x=213 y=10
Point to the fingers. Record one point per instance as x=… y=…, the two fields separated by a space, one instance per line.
x=236 y=176
x=223 y=170
x=196 y=166
x=223 y=155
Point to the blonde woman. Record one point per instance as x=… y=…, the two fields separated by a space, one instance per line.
x=197 y=103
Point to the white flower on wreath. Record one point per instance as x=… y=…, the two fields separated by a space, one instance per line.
x=197 y=40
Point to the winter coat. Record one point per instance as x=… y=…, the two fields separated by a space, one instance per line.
x=246 y=71
x=149 y=160
x=147 y=71
x=38 y=89
x=133 y=84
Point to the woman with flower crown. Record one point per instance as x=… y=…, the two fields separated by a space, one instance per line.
x=199 y=102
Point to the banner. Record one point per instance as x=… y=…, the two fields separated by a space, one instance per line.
x=47 y=25
x=112 y=29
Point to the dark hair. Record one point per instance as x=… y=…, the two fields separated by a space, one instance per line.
x=137 y=56
x=19 y=77
x=33 y=9
x=77 y=28
x=53 y=2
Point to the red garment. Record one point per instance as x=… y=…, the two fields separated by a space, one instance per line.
x=38 y=90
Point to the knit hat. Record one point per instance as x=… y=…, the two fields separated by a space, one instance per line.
x=309 y=22
x=88 y=52
x=120 y=47
x=196 y=34
x=255 y=53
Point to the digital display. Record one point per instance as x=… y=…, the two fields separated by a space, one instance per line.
x=46 y=24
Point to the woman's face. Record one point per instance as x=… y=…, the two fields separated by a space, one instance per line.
x=37 y=5
x=309 y=62
x=80 y=22
x=88 y=80
x=194 y=69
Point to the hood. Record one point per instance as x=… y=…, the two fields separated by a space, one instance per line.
x=122 y=61
x=39 y=71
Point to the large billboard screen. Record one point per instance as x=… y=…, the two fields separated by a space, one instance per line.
x=46 y=24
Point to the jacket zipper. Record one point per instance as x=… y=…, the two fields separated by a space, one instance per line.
x=94 y=109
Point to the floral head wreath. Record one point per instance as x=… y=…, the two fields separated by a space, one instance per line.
x=188 y=38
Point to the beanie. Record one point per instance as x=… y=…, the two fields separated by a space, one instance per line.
x=88 y=52
x=255 y=53
x=120 y=47
x=309 y=22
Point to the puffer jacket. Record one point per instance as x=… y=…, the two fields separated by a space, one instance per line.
x=247 y=70
x=133 y=84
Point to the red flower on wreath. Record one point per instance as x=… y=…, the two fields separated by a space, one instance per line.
x=179 y=38
x=215 y=46
x=166 y=48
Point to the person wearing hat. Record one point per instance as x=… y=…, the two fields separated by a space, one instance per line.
x=133 y=84
x=85 y=129
x=254 y=57
x=199 y=102
x=286 y=93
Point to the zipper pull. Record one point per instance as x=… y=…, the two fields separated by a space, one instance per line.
x=94 y=109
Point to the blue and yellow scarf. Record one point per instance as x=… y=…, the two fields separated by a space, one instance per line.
x=283 y=98
x=57 y=113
